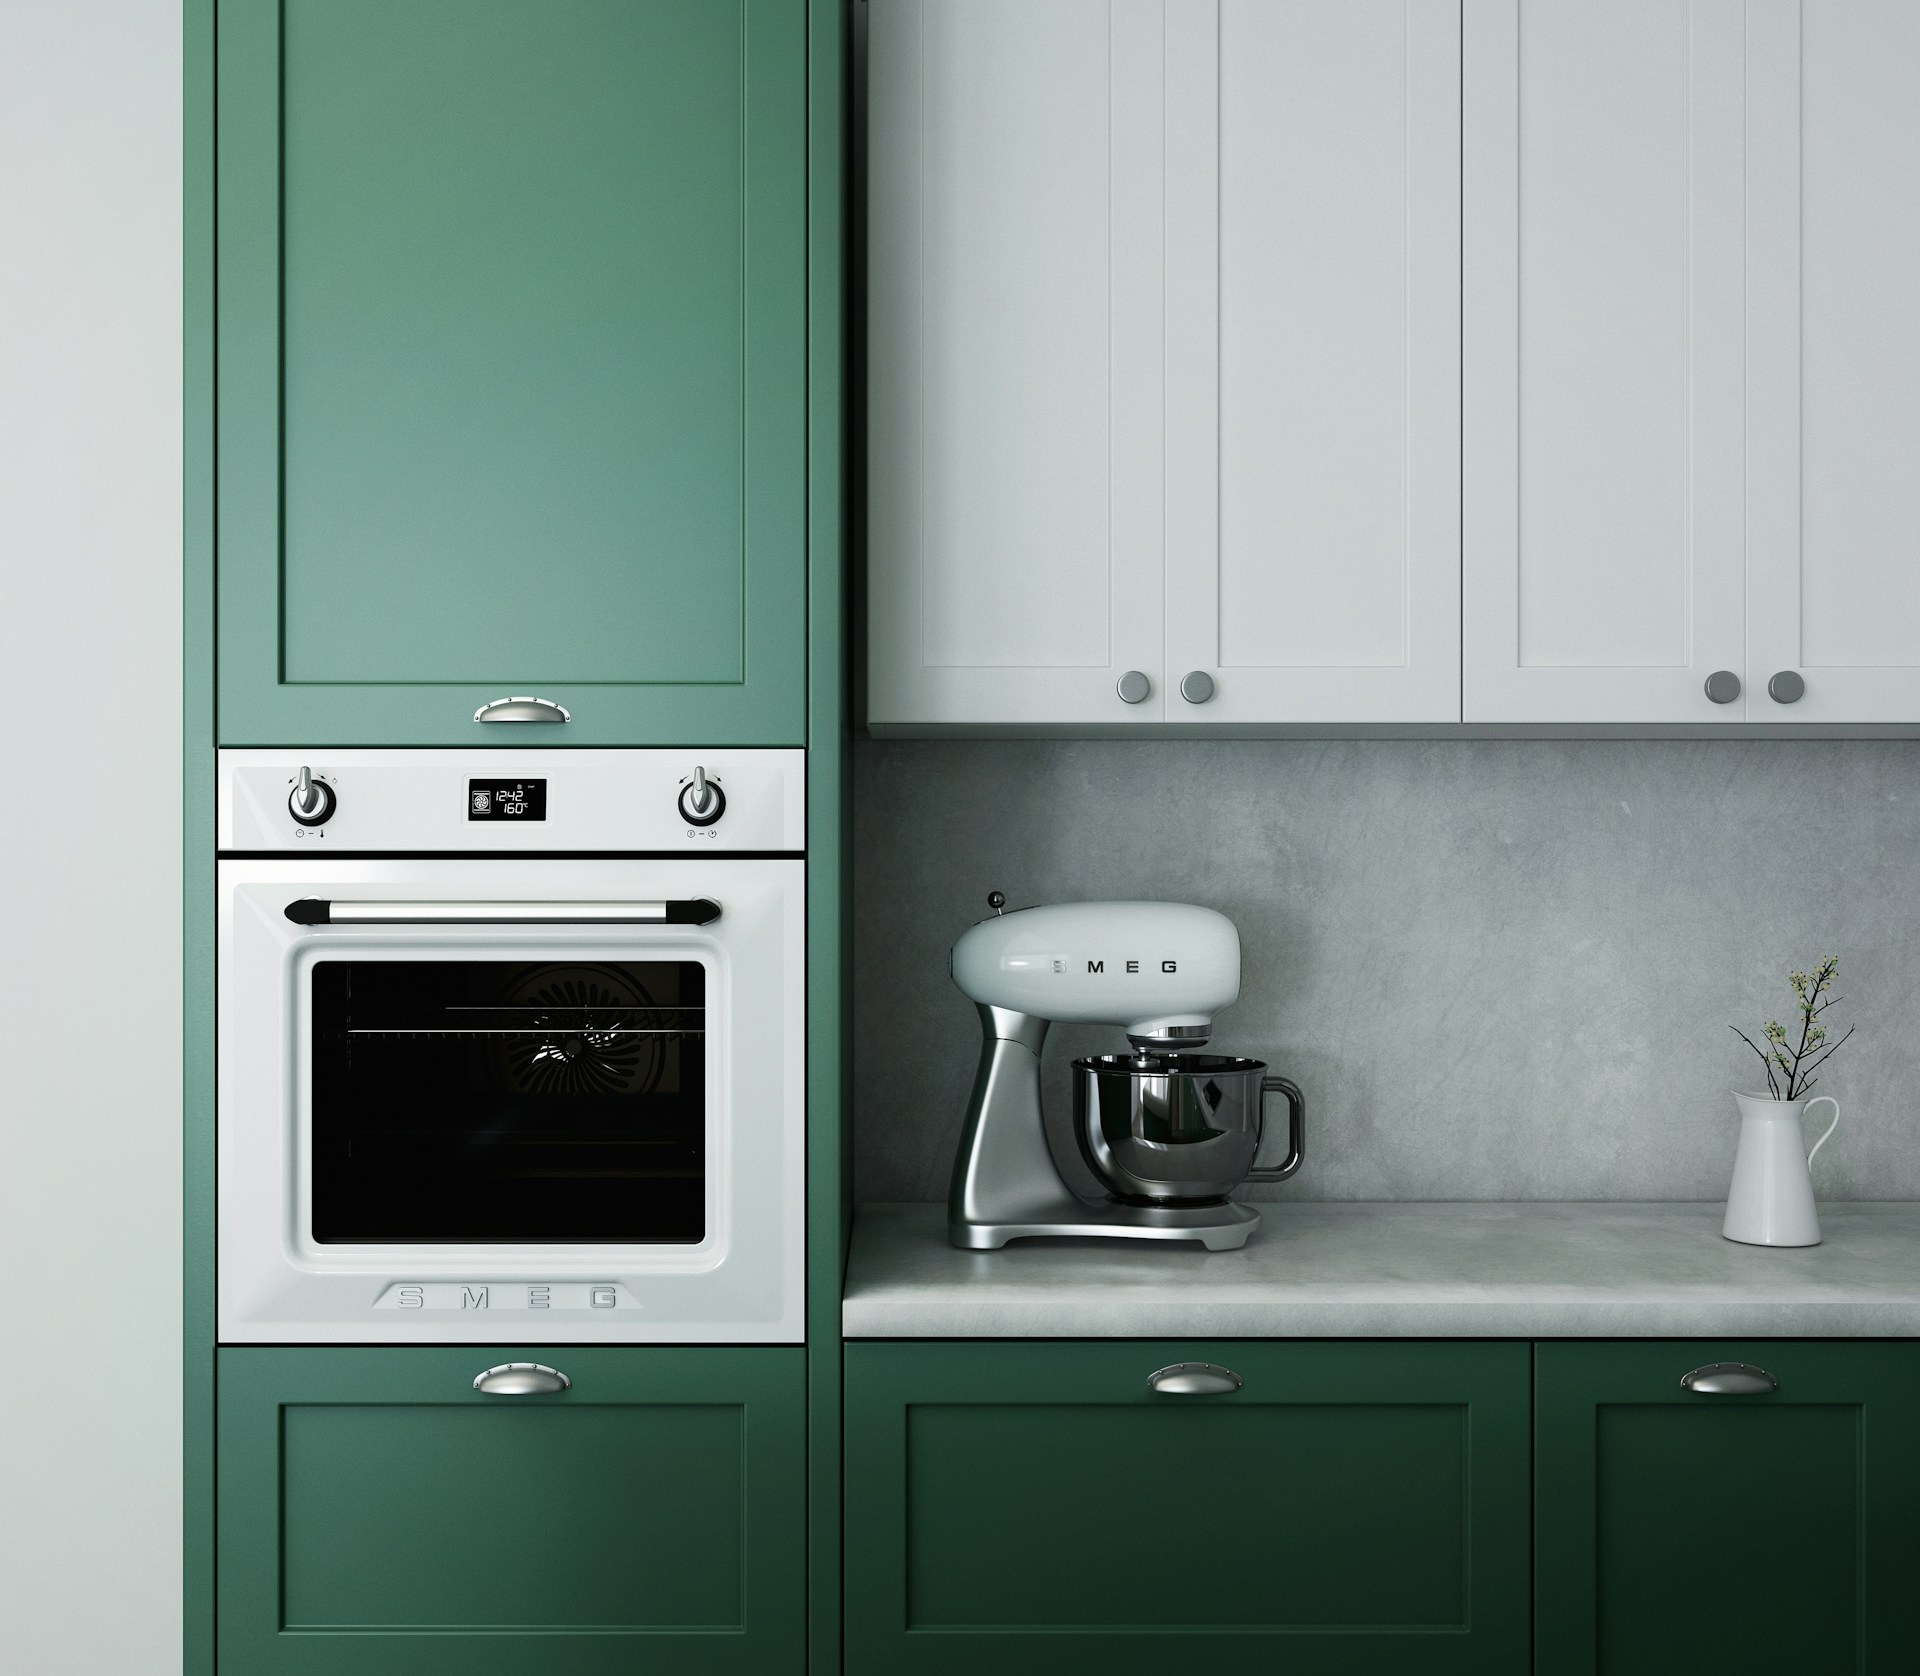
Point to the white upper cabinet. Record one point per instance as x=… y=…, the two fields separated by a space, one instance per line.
x=1833 y=375
x=1301 y=363
x=1163 y=349
x=1014 y=342
x=1692 y=395
x=1313 y=361
x=1603 y=515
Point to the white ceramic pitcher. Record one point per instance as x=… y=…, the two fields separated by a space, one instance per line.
x=1771 y=1200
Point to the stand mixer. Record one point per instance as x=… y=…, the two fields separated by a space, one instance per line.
x=1170 y=1132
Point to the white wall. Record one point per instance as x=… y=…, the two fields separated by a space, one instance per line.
x=90 y=836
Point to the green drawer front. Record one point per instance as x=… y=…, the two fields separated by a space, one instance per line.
x=378 y=1515
x=1679 y=1532
x=1034 y=1507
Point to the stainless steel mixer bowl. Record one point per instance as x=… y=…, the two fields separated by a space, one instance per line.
x=1178 y=1128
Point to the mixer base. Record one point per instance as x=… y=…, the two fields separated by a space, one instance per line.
x=1217 y=1227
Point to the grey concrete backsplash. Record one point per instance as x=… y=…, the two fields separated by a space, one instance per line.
x=1498 y=969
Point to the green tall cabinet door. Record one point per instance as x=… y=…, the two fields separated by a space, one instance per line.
x=1036 y=1509
x=1679 y=1533
x=379 y=1517
x=511 y=369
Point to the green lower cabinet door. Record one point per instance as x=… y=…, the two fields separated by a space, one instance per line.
x=1680 y=1532
x=380 y=1517
x=1036 y=1509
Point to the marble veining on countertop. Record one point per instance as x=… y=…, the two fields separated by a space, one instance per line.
x=1346 y=1270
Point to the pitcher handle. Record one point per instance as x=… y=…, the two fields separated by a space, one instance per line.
x=1296 y=1129
x=1835 y=1124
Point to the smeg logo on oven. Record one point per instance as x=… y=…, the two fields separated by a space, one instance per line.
x=499 y=1295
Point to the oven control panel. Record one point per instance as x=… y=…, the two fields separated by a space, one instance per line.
x=695 y=801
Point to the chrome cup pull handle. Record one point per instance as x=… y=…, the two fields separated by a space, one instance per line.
x=521 y=1379
x=1194 y=1379
x=1729 y=1379
x=523 y=709
x=1296 y=1129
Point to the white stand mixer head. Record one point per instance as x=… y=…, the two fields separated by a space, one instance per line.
x=1159 y=970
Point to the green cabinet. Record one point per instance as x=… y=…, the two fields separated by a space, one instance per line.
x=1679 y=1532
x=512 y=372
x=379 y=1517
x=1036 y=1509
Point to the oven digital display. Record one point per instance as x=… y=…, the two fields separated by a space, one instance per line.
x=506 y=800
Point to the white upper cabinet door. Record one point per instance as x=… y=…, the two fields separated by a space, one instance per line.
x=1015 y=347
x=1833 y=322
x=1604 y=486
x=1313 y=361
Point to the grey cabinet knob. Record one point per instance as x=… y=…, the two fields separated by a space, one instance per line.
x=1197 y=688
x=1134 y=687
x=1194 y=1379
x=1723 y=686
x=1787 y=687
x=1730 y=1379
x=521 y=1379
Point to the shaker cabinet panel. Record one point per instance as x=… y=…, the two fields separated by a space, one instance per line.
x=512 y=371
x=1163 y=361
x=1678 y=1532
x=1313 y=401
x=1014 y=346
x=1038 y=1508
x=1833 y=202
x=1281 y=363
x=1603 y=518
x=380 y=1517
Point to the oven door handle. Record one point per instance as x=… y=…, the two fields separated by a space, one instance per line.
x=312 y=910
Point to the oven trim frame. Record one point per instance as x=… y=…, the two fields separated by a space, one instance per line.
x=742 y=1283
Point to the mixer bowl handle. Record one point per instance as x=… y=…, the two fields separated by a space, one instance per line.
x=1296 y=1129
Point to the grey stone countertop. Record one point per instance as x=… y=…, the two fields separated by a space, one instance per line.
x=1342 y=1270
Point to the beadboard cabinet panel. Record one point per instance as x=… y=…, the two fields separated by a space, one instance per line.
x=1313 y=354
x=512 y=369
x=1677 y=1532
x=1035 y=1508
x=1015 y=221
x=1604 y=381
x=1833 y=198
x=380 y=1517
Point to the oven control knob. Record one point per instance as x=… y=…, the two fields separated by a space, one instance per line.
x=311 y=802
x=702 y=802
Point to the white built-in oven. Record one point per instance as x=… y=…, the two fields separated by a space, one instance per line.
x=511 y=1046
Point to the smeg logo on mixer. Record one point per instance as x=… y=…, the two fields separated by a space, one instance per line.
x=1127 y=965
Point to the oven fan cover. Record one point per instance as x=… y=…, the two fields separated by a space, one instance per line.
x=582 y=1030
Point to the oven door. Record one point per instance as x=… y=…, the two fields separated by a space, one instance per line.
x=463 y=1101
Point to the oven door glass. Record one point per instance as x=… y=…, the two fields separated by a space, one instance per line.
x=490 y=1101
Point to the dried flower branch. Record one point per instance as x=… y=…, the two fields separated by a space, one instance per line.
x=1797 y=1061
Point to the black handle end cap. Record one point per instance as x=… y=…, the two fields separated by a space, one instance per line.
x=700 y=911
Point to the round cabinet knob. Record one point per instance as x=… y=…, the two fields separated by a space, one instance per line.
x=1787 y=687
x=702 y=802
x=1723 y=686
x=1134 y=687
x=1197 y=688
x=311 y=802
